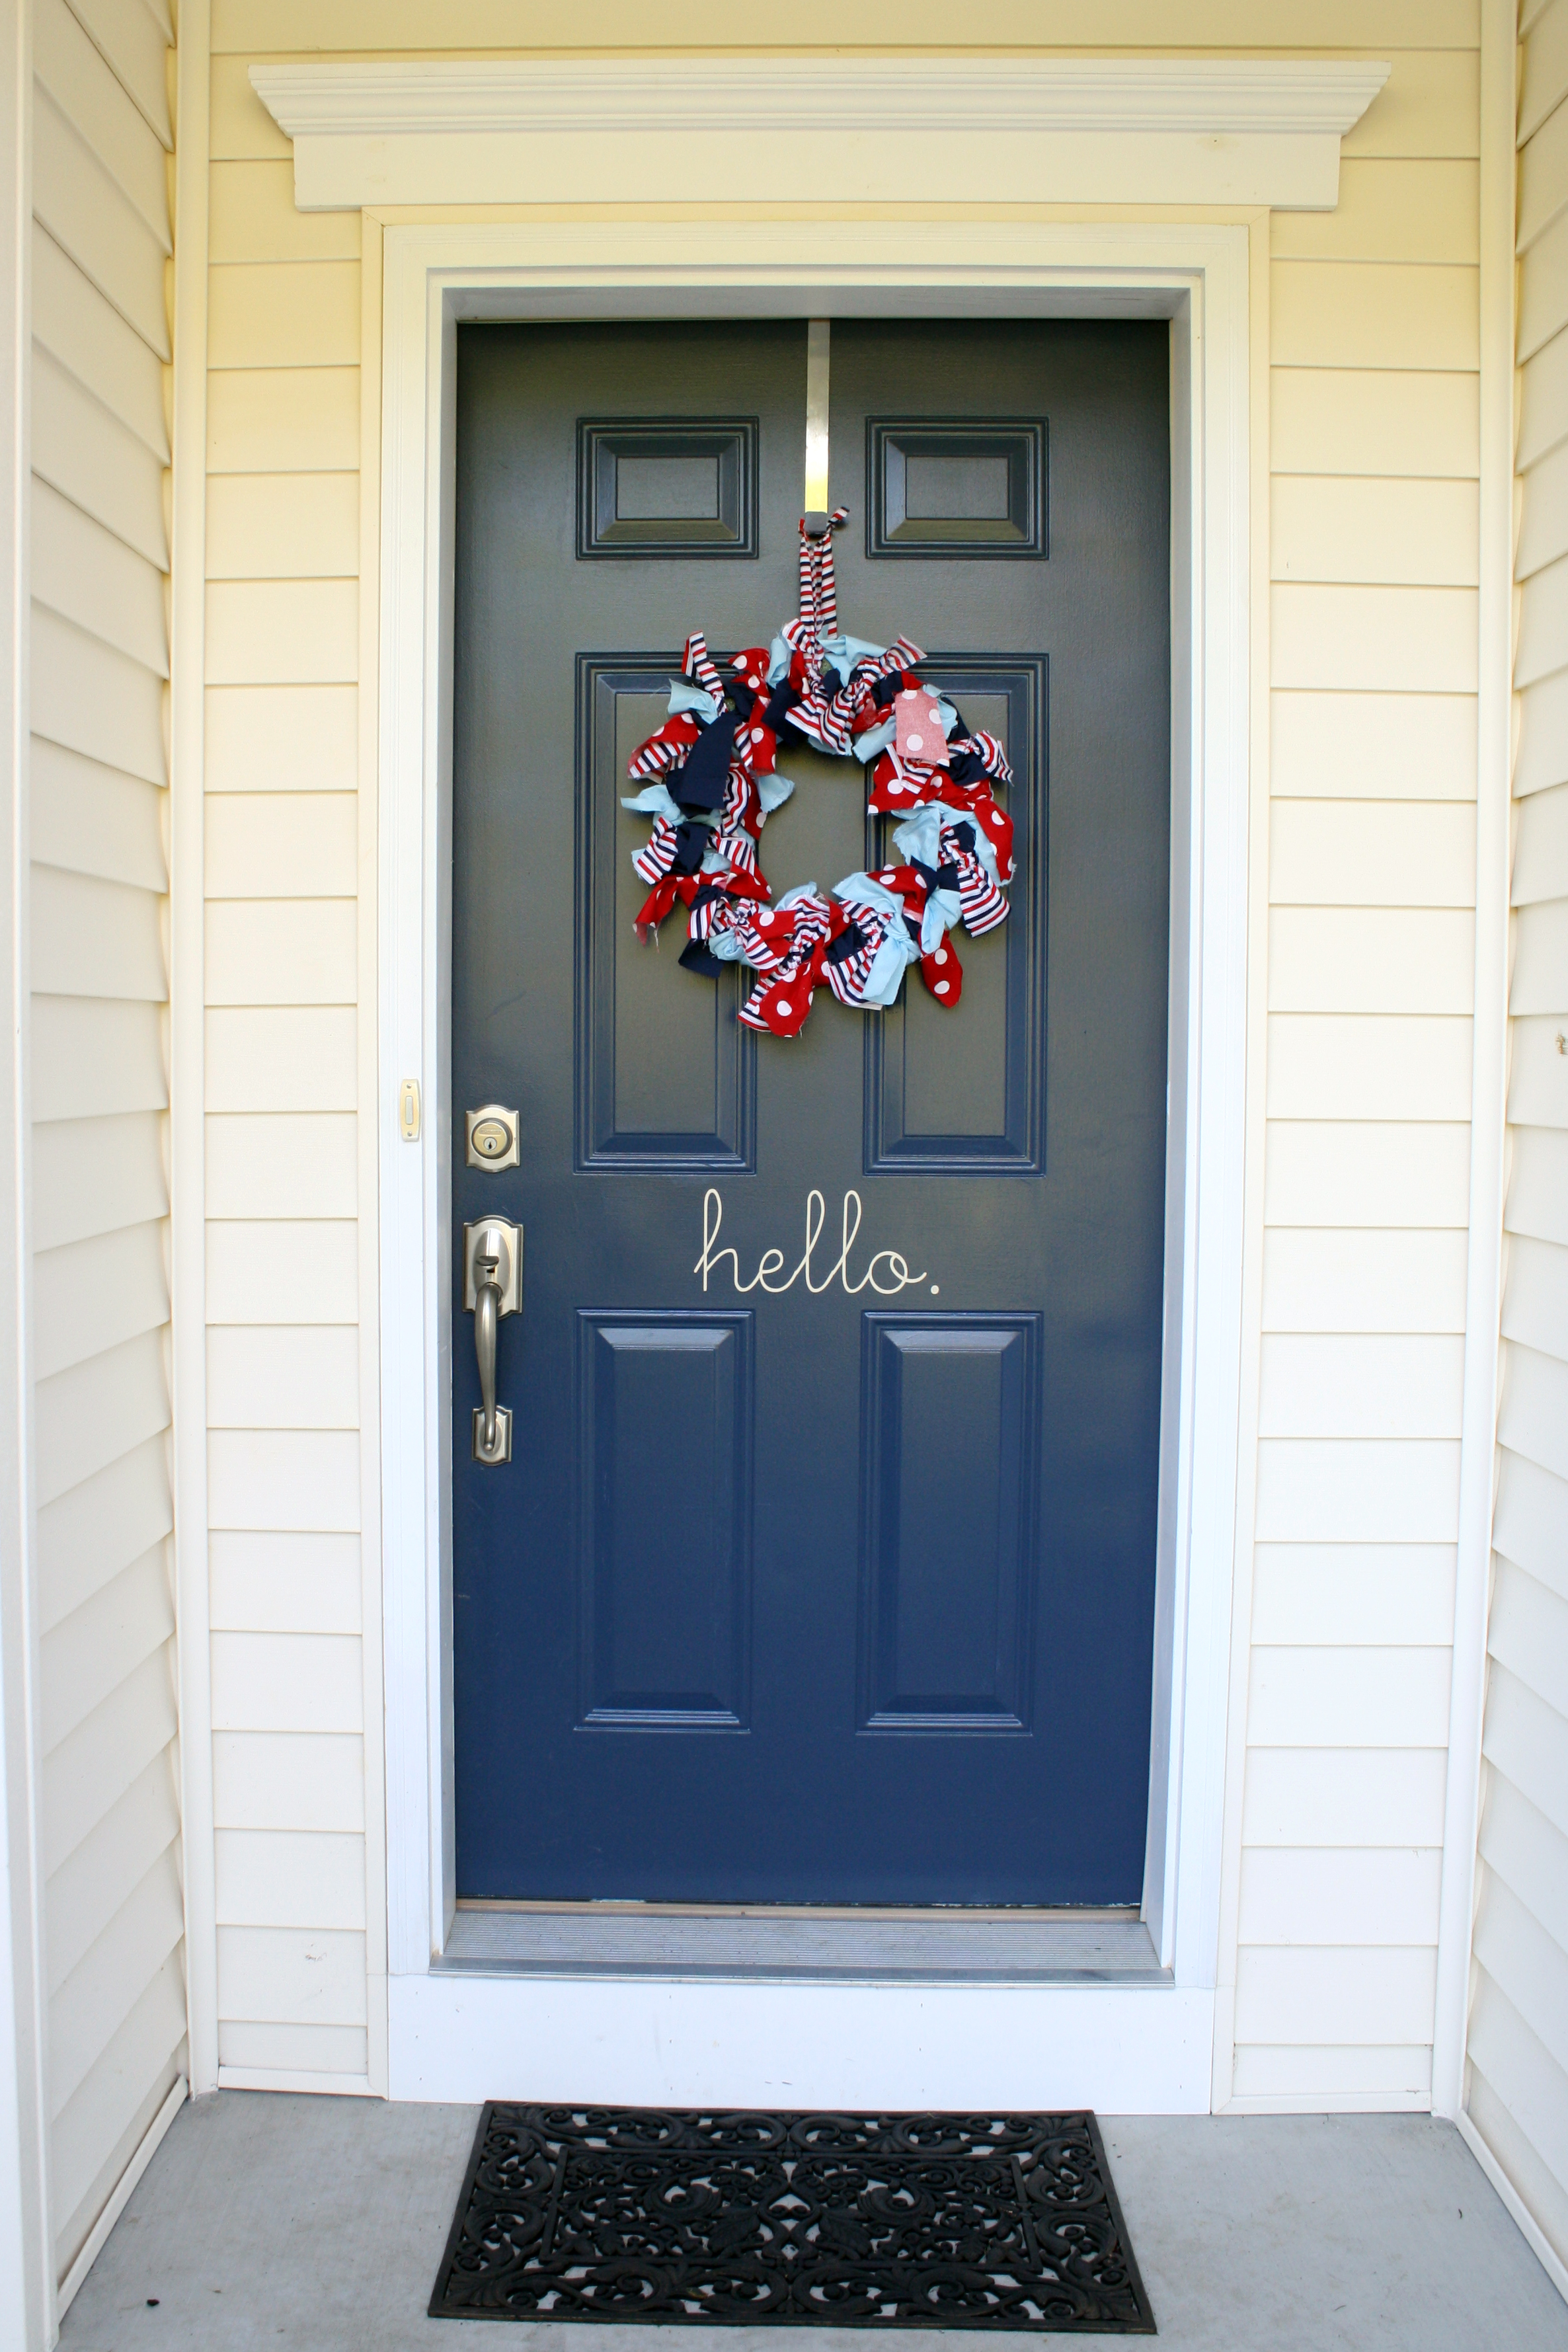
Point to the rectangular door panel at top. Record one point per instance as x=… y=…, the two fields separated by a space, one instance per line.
x=823 y=1570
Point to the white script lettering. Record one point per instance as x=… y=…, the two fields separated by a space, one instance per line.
x=771 y=1263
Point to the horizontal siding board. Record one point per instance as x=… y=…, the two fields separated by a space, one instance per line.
x=1527 y=1740
x=84 y=572
x=1542 y=404
x=1430 y=105
x=89 y=1886
x=1522 y=2073
x=1539 y=979
x=282 y=738
x=89 y=1772
x=90 y=1415
x=1521 y=1847
x=91 y=1652
x=87 y=2009
x=263 y=1376
x=1397 y=2073
x=1366 y=1490
x=1373 y=747
x=96 y=462
x=288 y=1780
x=1401 y=210
x=90 y=819
x=1366 y=1173
x=96 y=939
x=1542 y=179
x=1368 y=1065
x=1344 y=1797
x=284 y=314
x=1366 y=1894
x=1326 y=853
x=136 y=47
x=284 y=1478
x=283 y=421
x=268 y=1582
x=95 y=1294
x=287 y=951
x=1540 y=644
x=289 y=1878
x=282 y=632
x=135 y=2071
x=86 y=90
x=1320 y=1278
x=254 y=217
x=1543 y=290
x=1537 y=1201
x=282 y=1271
x=1348 y=1697
x=92 y=700
x=1526 y=1964
x=1342 y=1385
x=282 y=845
x=95 y=1054
x=1382 y=425
x=281 y=1057
x=1540 y=848
x=1371 y=959
x=1544 y=62
x=282 y=1164
x=1531 y=1523
x=1329 y=1995
x=88 y=1535
x=1535 y=1297
x=1321 y=1596
x=1543 y=517
x=1527 y=1632
x=283 y=526
x=1537 y=1072
x=288 y=1682
x=1543 y=2192
x=313 y=1975
x=1410 y=640
x=271 y=2048
x=240 y=126
x=1350 y=529
x=1371 y=315
x=97 y=349
x=94 y=1175
x=89 y=217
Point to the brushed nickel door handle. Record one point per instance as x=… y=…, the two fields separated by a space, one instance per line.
x=492 y=1287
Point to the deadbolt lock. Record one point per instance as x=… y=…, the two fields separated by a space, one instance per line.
x=492 y=1135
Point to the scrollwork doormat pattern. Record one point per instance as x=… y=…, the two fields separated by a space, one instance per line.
x=693 y=2218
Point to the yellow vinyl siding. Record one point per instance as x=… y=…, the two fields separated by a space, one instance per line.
x=1517 y=2079
x=113 y=1906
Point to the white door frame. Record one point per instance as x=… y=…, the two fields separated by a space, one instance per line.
x=672 y=2040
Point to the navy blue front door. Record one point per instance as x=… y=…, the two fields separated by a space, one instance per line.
x=824 y=1567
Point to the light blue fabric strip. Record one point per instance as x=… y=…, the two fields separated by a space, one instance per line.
x=684 y=696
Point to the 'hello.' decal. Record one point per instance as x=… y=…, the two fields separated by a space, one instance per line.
x=887 y=1285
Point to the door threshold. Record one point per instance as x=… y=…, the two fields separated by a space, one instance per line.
x=776 y=1941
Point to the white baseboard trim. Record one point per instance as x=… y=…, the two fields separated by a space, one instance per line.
x=1326 y=2102
x=1539 y=2246
x=120 y=2197
x=282 y=2078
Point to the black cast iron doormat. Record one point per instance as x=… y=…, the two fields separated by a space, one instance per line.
x=691 y=2218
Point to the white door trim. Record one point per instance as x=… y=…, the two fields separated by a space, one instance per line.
x=461 y=2037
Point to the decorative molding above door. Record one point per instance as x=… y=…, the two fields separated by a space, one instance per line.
x=1028 y=129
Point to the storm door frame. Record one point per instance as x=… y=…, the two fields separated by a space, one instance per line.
x=1144 y=2045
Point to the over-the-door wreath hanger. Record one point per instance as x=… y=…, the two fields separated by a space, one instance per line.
x=710 y=782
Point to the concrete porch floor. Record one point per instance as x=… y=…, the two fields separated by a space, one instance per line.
x=272 y=2219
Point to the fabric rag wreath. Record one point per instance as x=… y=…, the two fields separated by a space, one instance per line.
x=710 y=782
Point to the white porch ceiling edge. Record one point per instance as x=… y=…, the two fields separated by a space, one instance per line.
x=1028 y=129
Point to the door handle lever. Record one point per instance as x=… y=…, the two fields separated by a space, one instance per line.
x=492 y=1287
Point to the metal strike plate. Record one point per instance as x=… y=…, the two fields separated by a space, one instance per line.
x=502 y=1450
x=498 y=1239
x=491 y=1136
